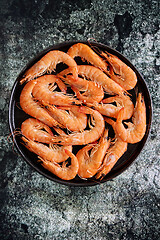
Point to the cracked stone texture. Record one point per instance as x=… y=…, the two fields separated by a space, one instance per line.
x=33 y=207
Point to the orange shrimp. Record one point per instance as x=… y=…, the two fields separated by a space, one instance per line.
x=91 y=91
x=85 y=52
x=87 y=136
x=120 y=72
x=48 y=64
x=63 y=172
x=136 y=130
x=53 y=153
x=96 y=75
x=31 y=107
x=113 y=154
x=73 y=120
x=107 y=109
x=89 y=165
x=44 y=90
x=33 y=129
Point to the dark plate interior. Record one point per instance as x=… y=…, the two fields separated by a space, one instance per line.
x=17 y=116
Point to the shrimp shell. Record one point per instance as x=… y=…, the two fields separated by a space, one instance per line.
x=33 y=108
x=48 y=64
x=87 y=136
x=73 y=120
x=33 y=129
x=120 y=72
x=107 y=109
x=63 y=172
x=113 y=154
x=85 y=52
x=42 y=91
x=53 y=153
x=89 y=165
x=136 y=130
x=96 y=75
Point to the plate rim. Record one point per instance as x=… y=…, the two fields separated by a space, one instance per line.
x=11 y=113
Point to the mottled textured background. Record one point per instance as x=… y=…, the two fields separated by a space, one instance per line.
x=33 y=207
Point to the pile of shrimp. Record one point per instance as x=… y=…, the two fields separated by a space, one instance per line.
x=80 y=106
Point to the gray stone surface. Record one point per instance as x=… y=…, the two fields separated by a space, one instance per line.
x=33 y=207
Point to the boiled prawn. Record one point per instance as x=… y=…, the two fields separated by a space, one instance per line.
x=69 y=117
x=48 y=63
x=86 y=53
x=87 y=136
x=36 y=130
x=63 y=172
x=87 y=91
x=121 y=72
x=116 y=150
x=110 y=110
x=89 y=164
x=96 y=75
x=44 y=90
x=52 y=153
x=136 y=130
x=33 y=108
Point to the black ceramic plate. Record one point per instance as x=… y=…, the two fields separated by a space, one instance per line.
x=17 y=116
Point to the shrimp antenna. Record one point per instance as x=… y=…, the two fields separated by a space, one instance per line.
x=88 y=40
x=18 y=105
x=97 y=180
x=136 y=91
x=102 y=176
x=16 y=132
x=95 y=48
